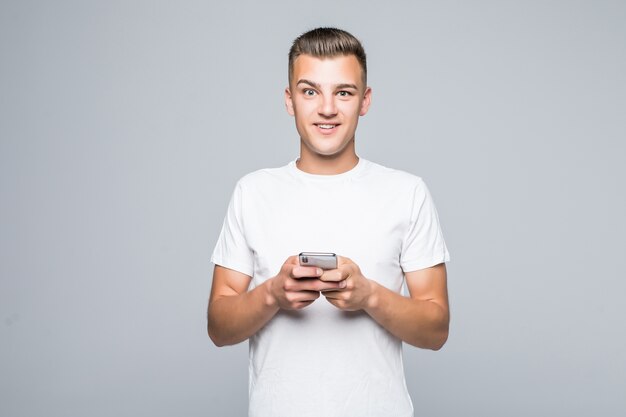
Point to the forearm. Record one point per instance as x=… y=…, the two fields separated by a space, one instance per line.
x=233 y=319
x=420 y=323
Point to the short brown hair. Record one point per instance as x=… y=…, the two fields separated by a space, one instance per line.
x=327 y=43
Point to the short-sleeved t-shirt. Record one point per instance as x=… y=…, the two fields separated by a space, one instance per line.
x=320 y=360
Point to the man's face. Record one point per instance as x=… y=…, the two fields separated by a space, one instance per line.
x=327 y=96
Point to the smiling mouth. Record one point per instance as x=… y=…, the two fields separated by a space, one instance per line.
x=326 y=126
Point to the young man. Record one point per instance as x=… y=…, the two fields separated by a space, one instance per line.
x=329 y=342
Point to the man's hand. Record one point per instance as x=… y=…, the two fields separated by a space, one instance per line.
x=357 y=290
x=421 y=320
x=295 y=286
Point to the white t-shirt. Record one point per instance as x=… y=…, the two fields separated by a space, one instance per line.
x=321 y=361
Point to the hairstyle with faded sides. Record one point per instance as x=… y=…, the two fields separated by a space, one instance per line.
x=328 y=43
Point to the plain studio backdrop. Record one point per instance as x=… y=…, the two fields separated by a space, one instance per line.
x=124 y=126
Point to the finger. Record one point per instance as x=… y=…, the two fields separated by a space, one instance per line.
x=292 y=260
x=306 y=272
x=343 y=260
x=331 y=290
x=331 y=294
x=301 y=296
x=314 y=284
x=342 y=296
x=300 y=305
x=334 y=275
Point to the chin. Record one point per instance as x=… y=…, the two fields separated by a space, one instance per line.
x=326 y=151
x=329 y=150
x=327 y=154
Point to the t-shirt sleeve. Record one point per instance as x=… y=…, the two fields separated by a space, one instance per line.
x=232 y=250
x=423 y=245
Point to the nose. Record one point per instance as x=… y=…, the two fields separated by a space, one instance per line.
x=327 y=106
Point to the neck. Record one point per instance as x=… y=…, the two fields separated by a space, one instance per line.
x=314 y=163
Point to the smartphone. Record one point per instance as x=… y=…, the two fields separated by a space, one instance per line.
x=324 y=260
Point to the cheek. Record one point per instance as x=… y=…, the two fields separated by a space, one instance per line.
x=351 y=110
x=303 y=107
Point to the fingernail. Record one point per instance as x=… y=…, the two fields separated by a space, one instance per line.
x=319 y=271
x=342 y=284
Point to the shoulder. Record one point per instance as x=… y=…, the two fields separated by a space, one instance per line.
x=396 y=178
x=261 y=178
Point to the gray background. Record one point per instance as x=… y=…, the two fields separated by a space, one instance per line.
x=125 y=125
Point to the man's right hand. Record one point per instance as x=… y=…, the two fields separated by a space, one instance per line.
x=295 y=286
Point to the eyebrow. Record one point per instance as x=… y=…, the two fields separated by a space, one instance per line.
x=316 y=85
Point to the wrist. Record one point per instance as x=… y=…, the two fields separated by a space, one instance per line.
x=270 y=298
x=374 y=295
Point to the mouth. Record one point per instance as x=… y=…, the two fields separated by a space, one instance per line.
x=326 y=127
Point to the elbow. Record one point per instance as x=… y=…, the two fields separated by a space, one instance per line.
x=440 y=335
x=439 y=340
x=220 y=337
x=216 y=340
x=433 y=340
x=215 y=337
x=213 y=330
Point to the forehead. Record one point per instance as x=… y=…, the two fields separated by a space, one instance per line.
x=334 y=70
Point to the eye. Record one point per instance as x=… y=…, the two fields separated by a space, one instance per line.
x=309 y=92
x=344 y=93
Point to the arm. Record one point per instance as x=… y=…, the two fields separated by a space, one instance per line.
x=235 y=314
x=420 y=320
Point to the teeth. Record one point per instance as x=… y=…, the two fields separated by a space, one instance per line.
x=326 y=126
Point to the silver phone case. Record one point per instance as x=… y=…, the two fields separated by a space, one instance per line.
x=324 y=260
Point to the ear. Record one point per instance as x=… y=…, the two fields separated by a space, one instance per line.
x=367 y=100
x=288 y=101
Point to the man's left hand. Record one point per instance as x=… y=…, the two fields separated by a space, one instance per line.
x=356 y=291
